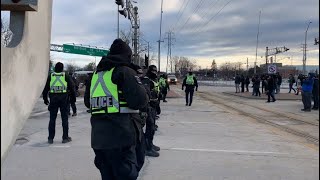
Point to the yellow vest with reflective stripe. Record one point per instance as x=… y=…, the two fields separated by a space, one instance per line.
x=156 y=87
x=162 y=82
x=58 y=83
x=190 y=80
x=105 y=96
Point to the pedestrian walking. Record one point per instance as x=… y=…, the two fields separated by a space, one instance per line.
x=263 y=83
x=58 y=84
x=190 y=82
x=247 y=82
x=114 y=94
x=270 y=88
x=278 y=82
x=291 y=82
x=256 y=86
x=315 y=92
x=237 y=81
x=307 y=87
x=242 y=82
x=70 y=102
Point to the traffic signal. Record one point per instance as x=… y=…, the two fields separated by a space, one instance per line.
x=123 y=12
x=120 y=3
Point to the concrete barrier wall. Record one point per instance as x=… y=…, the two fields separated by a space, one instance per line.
x=24 y=70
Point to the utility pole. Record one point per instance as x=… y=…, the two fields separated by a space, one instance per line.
x=135 y=34
x=255 y=68
x=160 y=36
x=305 y=50
x=248 y=66
x=169 y=42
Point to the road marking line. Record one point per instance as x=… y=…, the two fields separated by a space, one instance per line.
x=39 y=113
x=225 y=151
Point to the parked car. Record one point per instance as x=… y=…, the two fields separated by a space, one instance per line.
x=172 y=79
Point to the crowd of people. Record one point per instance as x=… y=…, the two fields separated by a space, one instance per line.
x=271 y=85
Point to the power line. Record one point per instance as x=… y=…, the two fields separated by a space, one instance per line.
x=195 y=10
x=181 y=14
x=207 y=12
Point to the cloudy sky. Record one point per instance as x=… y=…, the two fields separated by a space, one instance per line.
x=224 y=30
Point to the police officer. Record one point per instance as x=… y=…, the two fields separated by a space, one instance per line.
x=150 y=81
x=190 y=82
x=140 y=121
x=164 y=86
x=58 y=84
x=115 y=93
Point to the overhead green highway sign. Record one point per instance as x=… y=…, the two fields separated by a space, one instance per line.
x=69 y=48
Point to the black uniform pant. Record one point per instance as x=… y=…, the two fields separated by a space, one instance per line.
x=54 y=106
x=164 y=94
x=189 y=96
x=150 y=128
x=140 y=151
x=247 y=87
x=306 y=99
x=117 y=164
x=73 y=106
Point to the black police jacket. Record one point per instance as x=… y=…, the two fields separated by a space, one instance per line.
x=117 y=130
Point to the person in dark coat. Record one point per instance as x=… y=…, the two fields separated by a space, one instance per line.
x=315 y=92
x=247 y=82
x=190 y=82
x=116 y=94
x=256 y=86
x=291 y=82
x=237 y=81
x=270 y=88
x=71 y=103
x=58 y=85
x=307 y=87
x=242 y=81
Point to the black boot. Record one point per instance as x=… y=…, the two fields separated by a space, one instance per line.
x=152 y=153
x=156 y=148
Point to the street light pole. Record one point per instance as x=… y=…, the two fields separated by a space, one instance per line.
x=305 y=50
x=160 y=36
x=118 y=23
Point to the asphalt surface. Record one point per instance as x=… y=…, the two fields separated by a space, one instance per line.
x=218 y=137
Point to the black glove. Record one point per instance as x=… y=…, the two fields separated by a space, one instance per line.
x=46 y=102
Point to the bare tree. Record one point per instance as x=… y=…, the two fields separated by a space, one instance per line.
x=71 y=67
x=6 y=33
x=90 y=67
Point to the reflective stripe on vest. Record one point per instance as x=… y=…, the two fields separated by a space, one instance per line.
x=190 y=80
x=105 y=97
x=156 y=87
x=58 y=83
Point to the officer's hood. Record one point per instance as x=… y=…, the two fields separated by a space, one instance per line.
x=119 y=55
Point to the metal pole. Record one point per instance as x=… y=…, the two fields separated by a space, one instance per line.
x=305 y=50
x=248 y=65
x=168 y=52
x=266 y=59
x=160 y=36
x=135 y=33
x=118 y=23
x=255 y=68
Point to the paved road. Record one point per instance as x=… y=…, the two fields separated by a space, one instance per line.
x=210 y=140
